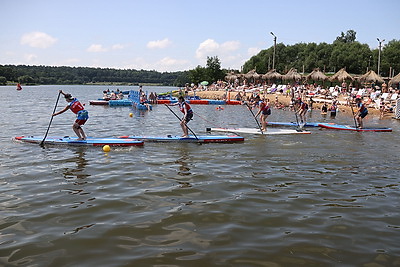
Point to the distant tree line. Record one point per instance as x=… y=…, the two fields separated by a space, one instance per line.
x=84 y=75
x=345 y=51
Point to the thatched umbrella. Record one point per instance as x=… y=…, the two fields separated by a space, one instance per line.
x=292 y=74
x=395 y=80
x=272 y=74
x=371 y=76
x=316 y=75
x=341 y=75
x=250 y=74
x=231 y=76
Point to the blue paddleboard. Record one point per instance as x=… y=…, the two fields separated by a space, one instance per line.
x=90 y=141
x=190 y=139
x=352 y=128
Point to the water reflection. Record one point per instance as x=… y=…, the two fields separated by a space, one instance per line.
x=79 y=171
x=78 y=176
x=184 y=161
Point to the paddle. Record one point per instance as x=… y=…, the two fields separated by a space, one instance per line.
x=297 y=119
x=55 y=107
x=352 y=111
x=259 y=126
x=180 y=120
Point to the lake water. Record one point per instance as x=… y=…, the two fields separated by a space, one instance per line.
x=330 y=198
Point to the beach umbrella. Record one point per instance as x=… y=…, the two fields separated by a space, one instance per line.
x=341 y=75
x=250 y=74
x=395 y=80
x=272 y=74
x=204 y=83
x=316 y=75
x=292 y=74
x=371 y=76
x=231 y=76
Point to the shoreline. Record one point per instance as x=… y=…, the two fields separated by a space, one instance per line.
x=285 y=100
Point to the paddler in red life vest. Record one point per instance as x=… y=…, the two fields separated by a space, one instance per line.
x=361 y=113
x=265 y=110
x=302 y=110
x=81 y=114
x=187 y=114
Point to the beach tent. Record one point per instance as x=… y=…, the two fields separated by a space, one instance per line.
x=252 y=75
x=272 y=75
x=292 y=74
x=395 y=80
x=230 y=76
x=316 y=75
x=341 y=75
x=371 y=76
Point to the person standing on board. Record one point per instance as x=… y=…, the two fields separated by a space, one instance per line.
x=302 y=110
x=81 y=114
x=361 y=113
x=187 y=114
x=265 y=110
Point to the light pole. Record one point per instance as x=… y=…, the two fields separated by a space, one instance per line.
x=369 y=63
x=379 y=54
x=273 y=58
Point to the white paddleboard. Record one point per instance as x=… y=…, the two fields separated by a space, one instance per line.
x=270 y=131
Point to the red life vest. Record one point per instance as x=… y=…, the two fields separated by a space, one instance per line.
x=183 y=105
x=75 y=106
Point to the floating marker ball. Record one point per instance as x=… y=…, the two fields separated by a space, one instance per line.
x=130 y=114
x=106 y=148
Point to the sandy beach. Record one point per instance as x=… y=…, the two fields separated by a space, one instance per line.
x=285 y=100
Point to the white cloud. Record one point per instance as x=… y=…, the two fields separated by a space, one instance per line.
x=230 y=46
x=38 y=40
x=227 y=52
x=211 y=48
x=206 y=48
x=252 y=51
x=168 y=63
x=95 y=48
x=159 y=44
x=118 y=47
x=30 y=57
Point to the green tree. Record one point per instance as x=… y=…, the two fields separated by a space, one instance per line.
x=3 y=80
x=26 y=79
x=198 y=74
x=214 y=71
x=349 y=37
x=390 y=57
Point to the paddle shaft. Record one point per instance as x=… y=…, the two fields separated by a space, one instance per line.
x=255 y=118
x=51 y=119
x=295 y=113
x=181 y=120
x=352 y=111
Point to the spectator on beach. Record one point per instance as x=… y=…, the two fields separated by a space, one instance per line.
x=324 y=109
x=333 y=109
x=311 y=102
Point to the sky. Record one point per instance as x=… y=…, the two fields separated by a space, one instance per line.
x=178 y=35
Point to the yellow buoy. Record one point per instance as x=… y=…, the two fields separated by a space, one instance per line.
x=130 y=114
x=106 y=148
